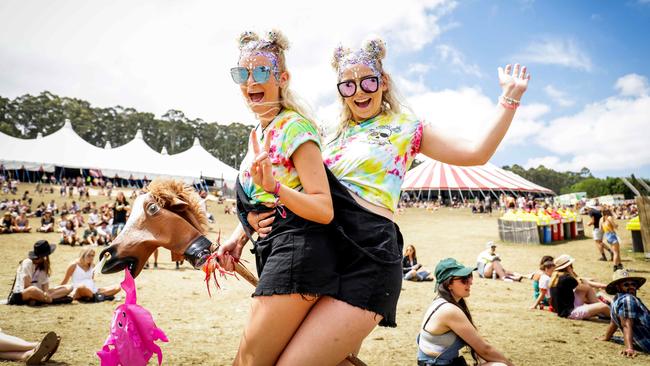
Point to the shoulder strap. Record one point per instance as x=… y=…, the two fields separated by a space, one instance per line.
x=434 y=310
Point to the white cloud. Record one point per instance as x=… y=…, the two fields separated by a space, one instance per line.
x=158 y=55
x=632 y=85
x=457 y=60
x=419 y=68
x=558 y=96
x=606 y=135
x=466 y=113
x=563 y=52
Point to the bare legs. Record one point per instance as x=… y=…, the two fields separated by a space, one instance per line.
x=35 y=293
x=273 y=321
x=306 y=331
x=502 y=273
x=14 y=348
x=332 y=330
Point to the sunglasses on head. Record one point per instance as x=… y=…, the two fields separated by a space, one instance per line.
x=465 y=279
x=368 y=84
x=261 y=74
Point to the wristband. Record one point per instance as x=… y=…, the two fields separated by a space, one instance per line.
x=276 y=192
x=509 y=103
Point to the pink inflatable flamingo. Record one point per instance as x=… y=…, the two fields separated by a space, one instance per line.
x=133 y=333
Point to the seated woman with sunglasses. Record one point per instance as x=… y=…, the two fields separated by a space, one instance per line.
x=448 y=325
x=296 y=266
x=373 y=148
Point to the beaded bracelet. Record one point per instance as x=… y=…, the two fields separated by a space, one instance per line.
x=509 y=103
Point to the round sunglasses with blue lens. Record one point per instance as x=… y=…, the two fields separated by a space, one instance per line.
x=240 y=74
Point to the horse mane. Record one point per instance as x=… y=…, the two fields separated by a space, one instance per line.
x=165 y=191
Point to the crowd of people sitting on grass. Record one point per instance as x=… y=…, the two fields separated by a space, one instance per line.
x=556 y=287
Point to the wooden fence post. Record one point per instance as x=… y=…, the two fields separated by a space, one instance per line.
x=643 y=204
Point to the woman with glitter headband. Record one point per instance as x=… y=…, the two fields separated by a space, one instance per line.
x=373 y=147
x=296 y=265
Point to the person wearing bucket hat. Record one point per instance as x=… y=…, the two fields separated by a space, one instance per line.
x=33 y=276
x=629 y=314
x=574 y=297
x=448 y=325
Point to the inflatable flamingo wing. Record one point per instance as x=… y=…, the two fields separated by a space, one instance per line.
x=133 y=333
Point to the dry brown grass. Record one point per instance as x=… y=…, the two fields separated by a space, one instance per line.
x=206 y=331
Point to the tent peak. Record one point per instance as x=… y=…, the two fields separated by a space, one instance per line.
x=39 y=135
x=164 y=151
x=67 y=124
x=138 y=135
x=108 y=145
x=196 y=142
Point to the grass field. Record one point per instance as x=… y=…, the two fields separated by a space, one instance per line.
x=206 y=331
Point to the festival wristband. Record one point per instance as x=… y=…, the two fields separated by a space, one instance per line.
x=276 y=192
x=509 y=103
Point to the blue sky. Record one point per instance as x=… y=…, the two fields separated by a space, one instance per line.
x=587 y=104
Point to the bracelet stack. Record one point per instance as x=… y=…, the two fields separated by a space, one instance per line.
x=509 y=103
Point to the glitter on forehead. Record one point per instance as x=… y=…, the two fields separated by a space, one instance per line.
x=252 y=49
x=359 y=57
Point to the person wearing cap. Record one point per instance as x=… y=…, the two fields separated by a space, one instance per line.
x=33 y=278
x=629 y=314
x=574 y=297
x=448 y=325
x=488 y=264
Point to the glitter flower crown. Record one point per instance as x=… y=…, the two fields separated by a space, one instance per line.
x=371 y=54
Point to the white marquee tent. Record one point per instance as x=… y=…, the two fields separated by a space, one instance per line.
x=65 y=148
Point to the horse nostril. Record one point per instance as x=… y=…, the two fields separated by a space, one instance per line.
x=110 y=250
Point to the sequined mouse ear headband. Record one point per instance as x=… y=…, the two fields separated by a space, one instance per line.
x=370 y=55
x=251 y=45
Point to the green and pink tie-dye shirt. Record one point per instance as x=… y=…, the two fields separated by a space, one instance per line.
x=287 y=132
x=372 y=157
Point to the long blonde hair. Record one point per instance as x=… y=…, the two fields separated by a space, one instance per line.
x=276 y=43
x=373 y=51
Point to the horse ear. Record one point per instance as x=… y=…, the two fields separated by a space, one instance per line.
x=178 y=205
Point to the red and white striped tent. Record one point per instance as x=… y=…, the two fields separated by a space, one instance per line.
x=439 y=177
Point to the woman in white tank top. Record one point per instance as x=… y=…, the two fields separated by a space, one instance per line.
x=80 y=272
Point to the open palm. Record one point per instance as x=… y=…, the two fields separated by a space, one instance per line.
x=514 y=80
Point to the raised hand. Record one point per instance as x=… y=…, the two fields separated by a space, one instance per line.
x=514 y=80
x=261 y=170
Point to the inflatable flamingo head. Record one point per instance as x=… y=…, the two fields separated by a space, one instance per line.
x=133 y=332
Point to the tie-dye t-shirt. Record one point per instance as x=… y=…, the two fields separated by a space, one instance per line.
x=372 y=157
x=287 y=132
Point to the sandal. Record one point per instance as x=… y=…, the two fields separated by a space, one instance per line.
x=43 y=349
x=53 y=351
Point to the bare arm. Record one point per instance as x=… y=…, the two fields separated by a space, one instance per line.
x=538 y=300
x=68 y=273
x=609 y=332
x=627 y=337
x=314 y=203
x=457 y=151
x=457 y=321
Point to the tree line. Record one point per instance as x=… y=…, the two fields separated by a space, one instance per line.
x=571 y=182
x=27 y=115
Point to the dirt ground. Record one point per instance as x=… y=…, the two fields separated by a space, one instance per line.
x=206 y=331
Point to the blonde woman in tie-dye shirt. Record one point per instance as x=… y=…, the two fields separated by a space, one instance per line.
x=373 y=148
x=296 y=266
